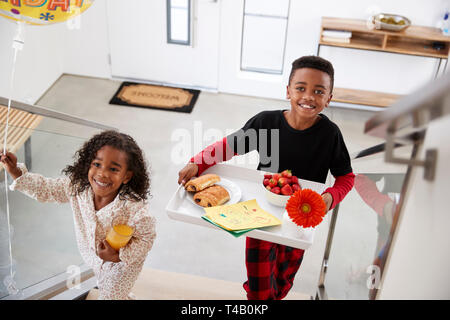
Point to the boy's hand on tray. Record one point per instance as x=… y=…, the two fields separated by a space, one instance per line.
x=328 y=199
x=190 y=170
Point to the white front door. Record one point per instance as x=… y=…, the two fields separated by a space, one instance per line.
x=139 y=47
x=258 y=58
x=236 y=46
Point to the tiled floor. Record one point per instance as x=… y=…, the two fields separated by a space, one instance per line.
x=44 y=241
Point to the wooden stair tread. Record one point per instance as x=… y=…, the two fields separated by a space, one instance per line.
x=363 y=97
x=20 y=128
x=153 y=284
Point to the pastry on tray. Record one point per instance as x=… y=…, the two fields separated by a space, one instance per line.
x=212 y=196
x=202 y=182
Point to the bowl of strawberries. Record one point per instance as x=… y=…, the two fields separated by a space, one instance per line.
x=280 y=186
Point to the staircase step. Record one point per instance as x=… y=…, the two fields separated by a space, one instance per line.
x=154 y=284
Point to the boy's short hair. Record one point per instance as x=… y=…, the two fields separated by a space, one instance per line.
x=313 y=62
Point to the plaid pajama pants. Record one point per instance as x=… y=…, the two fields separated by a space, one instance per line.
x=271 y=269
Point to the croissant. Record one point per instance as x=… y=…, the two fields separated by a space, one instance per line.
x=202 y=182
x=212 y=196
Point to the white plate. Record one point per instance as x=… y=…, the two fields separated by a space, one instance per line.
x=233 y=190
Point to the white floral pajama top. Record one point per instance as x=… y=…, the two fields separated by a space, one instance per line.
x=115 y=280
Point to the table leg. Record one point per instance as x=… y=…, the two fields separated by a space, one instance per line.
x=321 y=293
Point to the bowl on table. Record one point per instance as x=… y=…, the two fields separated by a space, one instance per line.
x=392 y=22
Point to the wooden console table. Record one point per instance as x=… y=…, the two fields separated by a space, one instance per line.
x=414 y=40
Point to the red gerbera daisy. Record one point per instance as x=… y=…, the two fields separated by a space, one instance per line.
x=306 y=208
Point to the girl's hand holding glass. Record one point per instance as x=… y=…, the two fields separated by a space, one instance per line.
x=107 y=253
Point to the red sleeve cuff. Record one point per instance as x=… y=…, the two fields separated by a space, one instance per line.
x=341 y=187
x=213 y=154
x=368 y=191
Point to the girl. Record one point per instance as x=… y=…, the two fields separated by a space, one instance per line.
x=108 y=181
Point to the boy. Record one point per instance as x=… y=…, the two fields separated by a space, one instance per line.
x=309 y=144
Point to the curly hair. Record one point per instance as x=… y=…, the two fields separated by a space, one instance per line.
x=314 y=62
x=138 y=188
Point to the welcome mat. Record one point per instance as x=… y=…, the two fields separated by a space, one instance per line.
x=154 y=96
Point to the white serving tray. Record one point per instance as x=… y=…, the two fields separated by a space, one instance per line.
x=250 y=181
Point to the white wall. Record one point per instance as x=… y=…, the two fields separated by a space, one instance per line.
x=86 y=49
x=419 y=262
x=38 y=65
x=52 y=50
x=139 y=48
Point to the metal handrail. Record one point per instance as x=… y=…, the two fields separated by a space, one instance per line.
x=321 y=293
x=411 y=137
x=56 y=284
x=372 y=150
x=415 y=110
x=42 y=111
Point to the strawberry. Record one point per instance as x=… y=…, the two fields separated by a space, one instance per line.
x=282 y=181
x=268 y=188
x=287 y=173
x=277 y=176
x=272 y=183
x=296 y=187
x=276 y=190
x=267 y=176
x=287 y=190
x=294 y=179
x=266 y=182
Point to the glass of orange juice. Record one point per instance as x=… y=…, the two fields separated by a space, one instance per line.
x=119 y=235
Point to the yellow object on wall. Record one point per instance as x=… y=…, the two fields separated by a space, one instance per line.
x=42 y=12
